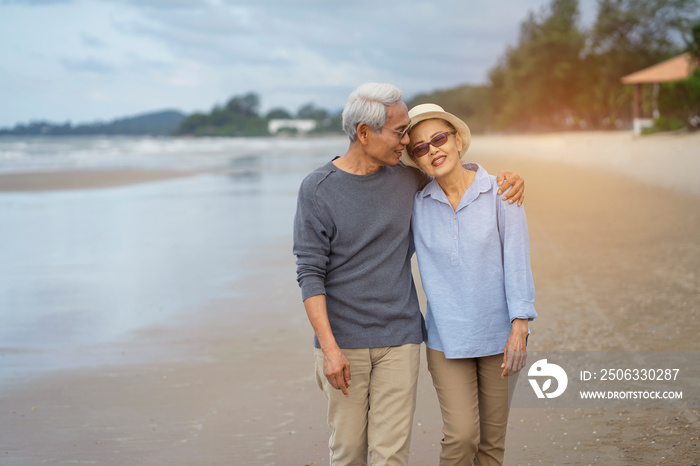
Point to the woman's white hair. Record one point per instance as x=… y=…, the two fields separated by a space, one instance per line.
x=367 y=104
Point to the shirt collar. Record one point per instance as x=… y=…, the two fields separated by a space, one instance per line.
x=482 y=179
x=481 y=184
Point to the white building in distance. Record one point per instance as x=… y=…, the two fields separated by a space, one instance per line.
x=298 y=126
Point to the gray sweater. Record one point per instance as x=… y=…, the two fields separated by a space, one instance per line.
x=352 y=242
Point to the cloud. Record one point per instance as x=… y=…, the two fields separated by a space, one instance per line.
x=92 y=41
x=216 y=35
x=194 y=53
x=88 y=65
x=258 y=37
x=161 y=5
x=33 y=2
x=442 y=42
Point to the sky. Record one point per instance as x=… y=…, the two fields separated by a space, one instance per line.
x=84 y=61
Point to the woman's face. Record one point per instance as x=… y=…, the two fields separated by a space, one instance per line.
x=438 y=161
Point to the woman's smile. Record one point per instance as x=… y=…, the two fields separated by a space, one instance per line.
x=439 y=161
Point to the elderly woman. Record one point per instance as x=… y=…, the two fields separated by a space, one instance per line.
x=474 y=260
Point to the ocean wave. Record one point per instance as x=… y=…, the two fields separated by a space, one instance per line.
x=170 y=153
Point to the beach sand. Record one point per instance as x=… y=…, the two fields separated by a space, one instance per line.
x=615 y=257
x=63 y=180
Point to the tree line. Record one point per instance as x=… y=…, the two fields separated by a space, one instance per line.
x=562 y=76
x=241 y=117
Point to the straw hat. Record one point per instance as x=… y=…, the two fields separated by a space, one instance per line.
x=428 y=111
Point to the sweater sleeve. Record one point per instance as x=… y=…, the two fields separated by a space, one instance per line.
x=520 y=289
x=311 y=242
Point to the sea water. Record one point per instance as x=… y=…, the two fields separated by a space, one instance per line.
x=81 y=267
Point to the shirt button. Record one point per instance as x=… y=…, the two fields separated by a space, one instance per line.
x=455 y=237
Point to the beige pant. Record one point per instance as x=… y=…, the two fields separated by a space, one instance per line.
x=474 y=402
x=377 y=417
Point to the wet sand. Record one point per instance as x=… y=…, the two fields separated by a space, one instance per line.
x=51 y=181
x=615 y=261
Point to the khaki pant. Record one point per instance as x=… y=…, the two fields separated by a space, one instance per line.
x=474 y=402
x=377 y=417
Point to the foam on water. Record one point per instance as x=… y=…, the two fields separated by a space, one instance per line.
x=105 y=153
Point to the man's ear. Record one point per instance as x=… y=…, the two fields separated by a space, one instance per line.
x=363 y=131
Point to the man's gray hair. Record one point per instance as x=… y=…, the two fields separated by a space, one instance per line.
x=367 y=104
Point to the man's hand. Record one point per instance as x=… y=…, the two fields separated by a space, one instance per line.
x=336 y=368
x=509 y=179
x=515 y=351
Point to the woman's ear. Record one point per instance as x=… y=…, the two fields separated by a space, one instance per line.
x=460 y=144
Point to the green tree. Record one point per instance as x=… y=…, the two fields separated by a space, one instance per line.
x=536 y=83
x=220 y=116
x=470 y=103
x=331 y=124
x=190 y=124
x=629 y=35
x=247 y=104
x=239 y=117
x=278 y=113
x=311 y=112
x=694 y=44
x=679 y=101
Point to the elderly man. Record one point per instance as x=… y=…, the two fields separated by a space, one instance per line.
x=352 y=242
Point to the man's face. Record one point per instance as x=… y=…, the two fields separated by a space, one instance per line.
x=386 y=147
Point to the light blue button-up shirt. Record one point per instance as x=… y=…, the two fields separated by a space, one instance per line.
x=475 y=267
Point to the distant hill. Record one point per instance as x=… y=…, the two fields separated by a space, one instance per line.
x=160 y=123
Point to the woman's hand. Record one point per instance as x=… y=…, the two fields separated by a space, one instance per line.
x=515 y=351
x=506 y=179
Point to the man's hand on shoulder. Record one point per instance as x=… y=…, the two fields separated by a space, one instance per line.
x=509 y=179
